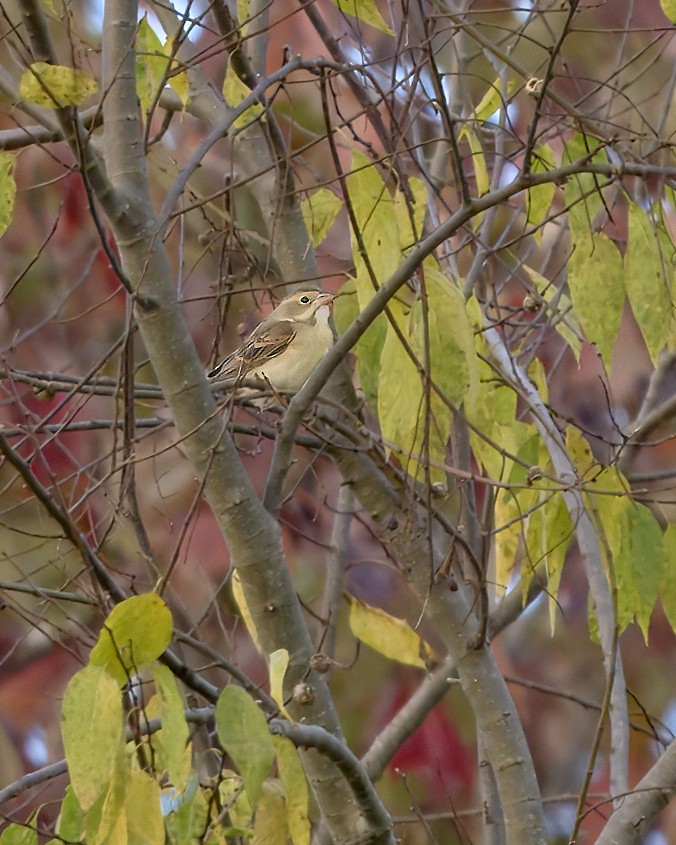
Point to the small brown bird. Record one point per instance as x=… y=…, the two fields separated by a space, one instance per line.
x=284 y=348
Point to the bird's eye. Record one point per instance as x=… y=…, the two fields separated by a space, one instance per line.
x=304 y=300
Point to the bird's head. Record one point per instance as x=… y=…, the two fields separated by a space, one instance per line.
x=303 y=306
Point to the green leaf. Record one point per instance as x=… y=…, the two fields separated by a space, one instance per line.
x=296 y=791
x=93 y=732
x=135 y=633
x=365 y=11
x=55 y=86
x=145 y=825
x=319 y=211
x=174 y=738
x=648 y=277
x=596 y=282
x=389 y=636
x=18 y=834
x=235 y=91
x=243 y=732
x=7 y=191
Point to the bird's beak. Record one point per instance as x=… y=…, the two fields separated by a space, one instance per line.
x=325 y=298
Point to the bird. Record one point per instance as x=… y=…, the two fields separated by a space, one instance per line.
x=283 y=349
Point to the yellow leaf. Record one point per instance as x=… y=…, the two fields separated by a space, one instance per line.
x=135 y=634
x=240 y=601
x=319 y=211
x=7 y=191
x=92 y=729
x=391 y=637
x=648 y=277
x=365 y=11
x=279 y=661
x=55 y=86
x=296 y=791
x=596 y=282
x=270 y=827
x=235 y=91
x=669 y=9
x=145 y=825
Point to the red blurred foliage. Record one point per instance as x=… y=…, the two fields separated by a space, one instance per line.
x=435 y=753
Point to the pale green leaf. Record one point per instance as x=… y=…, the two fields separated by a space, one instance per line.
x=496 y=433
x=389 y=636
x=235 y=92
x=548 y=537
x=648 y=276
x=7 y=191
x=509 y=530
x=55 y=86
x=365 y=11
x=92 y=730
x=135 y=633
x=174 y=738
x=668 y=585
x=539 y=198
x=186 y=815
x=493 y=99
x=145 y=825
x=296 y=791
x=106 y=821
x=179 y=81
x=559 y=311
x=584 y=191
x=243 y=732
x=319 y=211
x=70 y=823
x=376 y=219
x=18 y=834
x=270 y=827
x=151 y=64
x=234 y=799
x=580 y=452
x=478 y=161
x=279 y=662
x=596 y=283
x=669 y=9
x=639 y=586
x=452 y=355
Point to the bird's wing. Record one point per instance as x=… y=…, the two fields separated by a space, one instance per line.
x=265 y=342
